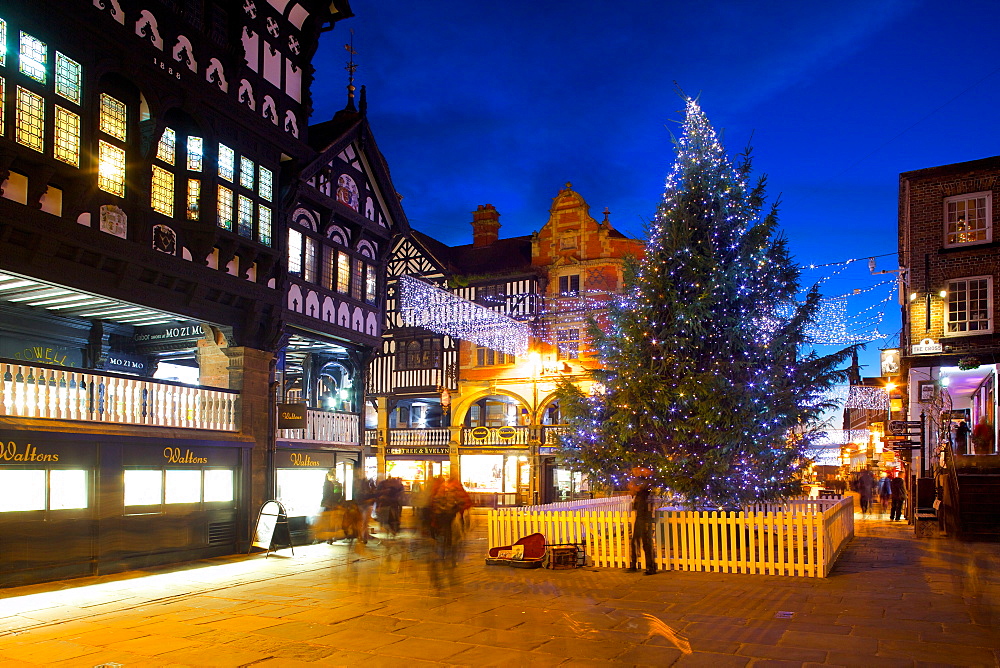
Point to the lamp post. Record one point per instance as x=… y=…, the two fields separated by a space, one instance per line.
x=535 y=360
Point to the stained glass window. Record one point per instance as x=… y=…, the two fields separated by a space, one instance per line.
x=371 y=284
x=225 y=208
x=194 y=153
x=357 y=279
x=3 y=42
x=113 y=117
x=343 y=271
x=193 y=199
x=34 y=56
x=167 y=148
x=67 y=136
x=309 y=264
x=246 y=172
x=162 y=191
x=3 y=106
x=30 y=119
x=264 y=225
x=227 y=160
x=265 y=184
x=294 y=252
x=110 y=168
x=245 y=214
x=69 y=77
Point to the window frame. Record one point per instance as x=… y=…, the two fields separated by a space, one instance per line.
x=945 y=333
x=965 y=197
x=569 y=343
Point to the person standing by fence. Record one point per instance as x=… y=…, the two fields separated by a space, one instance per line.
x=642 y=526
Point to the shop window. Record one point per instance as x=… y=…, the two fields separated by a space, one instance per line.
x=225 y=208
x=264 y=225
x=265 y=185
x=182 y=486
x=161 y=193
x=113 y=117
x=143 y=487
x=30 y=119
x=219 y=485
x=67 y=489
x=246 y=172
x=245 y=214
x=227 y=162
x=343 y=271
x=66 y=146
x=970 y=306
x=110 y=168
x=294 y=252
x=69 y=77
x=22 y=490
x=33 y=57
x=195 y=149
x=193 y=206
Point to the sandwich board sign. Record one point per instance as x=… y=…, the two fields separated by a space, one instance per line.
x=271 y=532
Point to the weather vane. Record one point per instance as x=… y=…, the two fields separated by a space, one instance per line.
x=351 y=68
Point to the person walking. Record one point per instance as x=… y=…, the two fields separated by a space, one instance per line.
x=642 y=526
x=884 y=494
x=866 y=489
x=962 y=438
x=898 y=494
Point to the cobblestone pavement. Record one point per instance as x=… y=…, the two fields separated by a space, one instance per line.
x=892 y=600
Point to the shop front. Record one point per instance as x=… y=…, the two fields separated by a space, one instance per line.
x=415 y=466
x=496 y=476
x=72 y=506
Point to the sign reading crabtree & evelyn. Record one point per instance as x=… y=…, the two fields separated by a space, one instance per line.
x=926 y=347
x=418 y=451
x=291 y=416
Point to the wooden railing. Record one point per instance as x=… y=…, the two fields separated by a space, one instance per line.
x=520 y=436
x=799 y=540
x=326 y=426
x=59 y=393
x=419 y=437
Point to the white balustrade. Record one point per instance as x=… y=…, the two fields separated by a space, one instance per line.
x=326 y=426
x=419 y=437
x=68 y=394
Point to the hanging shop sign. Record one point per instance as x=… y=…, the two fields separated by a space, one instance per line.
x=889 y=362
x=291 y=416
x=427 y=450
x=300 y=459
x=926 y=347
x=126 y=363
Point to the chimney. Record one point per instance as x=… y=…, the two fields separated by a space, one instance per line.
x=485 y=225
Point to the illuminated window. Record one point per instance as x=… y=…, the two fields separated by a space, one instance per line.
x=245 y=213
x=182 y=486
x=968 y=219
x=329 y=267
x=113 y=117
x=30 y=119
x=371 y=284
x=161 y=196
x=67 y=136
x=568 y=343
x=67 y=489
x=193 y=199
x=490 y=357
x=970 y=306
x=3 y=42
x=246 y=172
x=225 y=208
x=356 y=279
x=34 y=56
x=265 y=184
x=110 y=168
x=167 y=147
x=227 y=160
x=22 y=489
x=3 y=106
x=219 y=485
x=309 y=265
x=143 y=487
x=264 y=225
x=295 y=252
x=343 y=271
x=69 y=78
x=195 y=146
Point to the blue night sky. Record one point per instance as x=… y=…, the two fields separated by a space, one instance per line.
x=504 y=102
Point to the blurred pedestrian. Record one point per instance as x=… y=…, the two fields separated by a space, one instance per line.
x=866 y=489
x=884 y=493
x=642 y=525
x=449 y=504
x=982 y=437
x=962 y=438
x=898 y=492
x=329 y=525
x=389 y=505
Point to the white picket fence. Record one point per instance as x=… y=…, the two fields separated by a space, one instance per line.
x=622 y=503
x=797 y=538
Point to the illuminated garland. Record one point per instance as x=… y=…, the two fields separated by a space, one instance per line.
x=424 y=305
x=868 y=398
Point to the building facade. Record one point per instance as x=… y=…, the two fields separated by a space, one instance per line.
x=950 y=252
x=156 y=163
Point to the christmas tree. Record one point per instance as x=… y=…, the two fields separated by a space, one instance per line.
x=707 y=379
